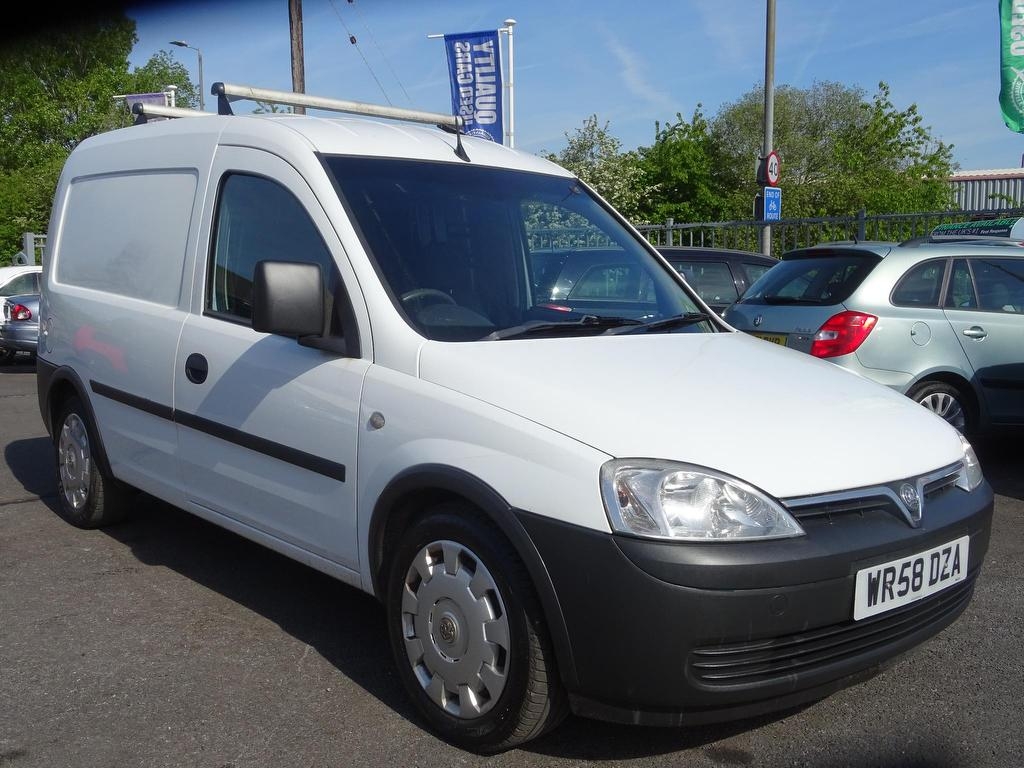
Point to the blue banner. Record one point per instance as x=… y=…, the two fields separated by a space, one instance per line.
x=474 y=65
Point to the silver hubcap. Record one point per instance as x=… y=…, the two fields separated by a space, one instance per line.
x=455 y=629
x=75 y=461
x=946 y=406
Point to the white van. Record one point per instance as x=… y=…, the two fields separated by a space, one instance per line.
x=352 y=341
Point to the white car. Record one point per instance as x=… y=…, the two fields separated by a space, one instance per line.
x=338 y=350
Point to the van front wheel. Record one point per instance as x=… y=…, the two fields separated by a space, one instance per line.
x=468 y=634
x=87 y=497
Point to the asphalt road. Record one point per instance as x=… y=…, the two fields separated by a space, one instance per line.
x=166 y=641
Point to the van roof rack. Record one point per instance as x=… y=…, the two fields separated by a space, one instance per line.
x=146 y=112
x=227 y=93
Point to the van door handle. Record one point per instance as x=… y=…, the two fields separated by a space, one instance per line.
x=975 y=332
x=196 y=368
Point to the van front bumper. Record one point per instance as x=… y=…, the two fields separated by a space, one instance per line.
x=677 y=633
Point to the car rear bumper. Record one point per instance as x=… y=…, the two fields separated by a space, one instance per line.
x=680 y=633
x=20 y=339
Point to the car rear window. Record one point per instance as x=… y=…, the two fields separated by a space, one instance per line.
x=712 y=279
x=823 y=279
x=754 y=271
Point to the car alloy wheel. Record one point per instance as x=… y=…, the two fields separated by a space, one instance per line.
x=945 y=401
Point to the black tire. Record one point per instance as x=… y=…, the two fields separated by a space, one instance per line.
x=946 y=401
x=86 y=496
x=6 y=356
x=513 y=694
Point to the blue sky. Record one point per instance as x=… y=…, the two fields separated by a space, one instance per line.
x=630 y=63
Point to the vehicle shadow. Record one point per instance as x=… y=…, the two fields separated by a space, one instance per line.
x=21 y=364
x=30 y=461
x=581 y=739
x=1002 y=457
x=344 y=625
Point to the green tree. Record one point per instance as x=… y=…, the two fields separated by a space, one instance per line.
x=57 y=87
x=596 y=156
x=839 y=152
x=682 y=172
x=160 y=71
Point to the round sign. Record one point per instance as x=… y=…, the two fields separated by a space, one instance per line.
x=772 y=167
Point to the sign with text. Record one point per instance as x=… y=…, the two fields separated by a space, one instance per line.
x=1011 y=63
x=474 y=66
x=772 y=203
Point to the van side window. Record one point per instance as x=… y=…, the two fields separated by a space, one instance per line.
x=257 y=220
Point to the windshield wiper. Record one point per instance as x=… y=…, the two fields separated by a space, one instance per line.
x=541 y=327
x=665 y=324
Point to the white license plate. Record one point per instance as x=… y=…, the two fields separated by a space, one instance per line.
x=886 y=586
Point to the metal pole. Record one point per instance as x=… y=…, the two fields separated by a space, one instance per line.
x=769 y=106
x=298 y=55
x=202 y=93
x=509 y=24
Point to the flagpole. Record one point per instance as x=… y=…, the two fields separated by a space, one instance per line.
x=510 y=134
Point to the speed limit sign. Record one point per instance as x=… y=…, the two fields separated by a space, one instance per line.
x=772 y=169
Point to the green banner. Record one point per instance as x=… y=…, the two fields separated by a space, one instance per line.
x=1011 y=61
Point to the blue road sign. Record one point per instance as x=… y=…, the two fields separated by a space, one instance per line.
x=772 y=203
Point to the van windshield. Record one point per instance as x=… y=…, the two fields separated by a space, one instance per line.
x=470 y=253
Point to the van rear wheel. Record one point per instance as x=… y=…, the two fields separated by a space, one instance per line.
x=468 y=634
x=87 y=497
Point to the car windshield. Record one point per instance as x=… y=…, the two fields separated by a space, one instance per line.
x=805 y=279
x=470 y=253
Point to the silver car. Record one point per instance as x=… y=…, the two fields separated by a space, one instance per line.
x=940 y=319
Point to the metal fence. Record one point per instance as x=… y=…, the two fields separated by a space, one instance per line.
x=796 y=233
x=33 y=247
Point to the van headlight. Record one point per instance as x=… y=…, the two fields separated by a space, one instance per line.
x=970 y=476
x=670 y=500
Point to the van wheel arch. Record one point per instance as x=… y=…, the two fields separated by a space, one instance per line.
x=64 y=384
x=415 y=492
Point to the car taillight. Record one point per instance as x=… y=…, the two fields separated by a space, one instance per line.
x=21 y=312
x=842 y=334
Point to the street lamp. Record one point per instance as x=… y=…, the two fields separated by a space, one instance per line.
x=202 y=94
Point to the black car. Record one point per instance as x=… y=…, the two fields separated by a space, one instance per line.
x=719 y=275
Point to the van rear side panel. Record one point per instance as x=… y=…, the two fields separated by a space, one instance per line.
x=117 y=287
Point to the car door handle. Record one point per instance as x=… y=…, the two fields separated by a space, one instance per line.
x=975 y=332
x=196 y=368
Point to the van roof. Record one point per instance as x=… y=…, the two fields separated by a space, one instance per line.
x=378 y=131
x=335 y=136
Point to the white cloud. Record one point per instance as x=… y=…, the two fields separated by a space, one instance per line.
x=631 y=70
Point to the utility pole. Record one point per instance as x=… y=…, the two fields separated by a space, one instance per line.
x=769 y=107
x=298 y=57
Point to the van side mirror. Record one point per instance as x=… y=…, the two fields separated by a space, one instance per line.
x=288 y=299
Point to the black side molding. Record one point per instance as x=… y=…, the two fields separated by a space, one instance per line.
x=279 y=451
